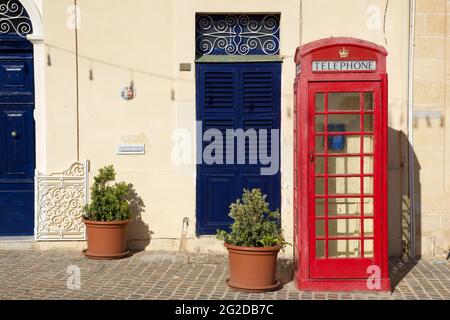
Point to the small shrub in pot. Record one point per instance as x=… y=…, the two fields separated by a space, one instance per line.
x=107 y=216
x=253 y=243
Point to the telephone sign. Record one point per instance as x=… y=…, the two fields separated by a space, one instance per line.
x=360 y=65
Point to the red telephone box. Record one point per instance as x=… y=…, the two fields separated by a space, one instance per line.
x=340 y=176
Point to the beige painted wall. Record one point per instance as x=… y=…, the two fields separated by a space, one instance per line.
x=60 y=86
x=145 y=42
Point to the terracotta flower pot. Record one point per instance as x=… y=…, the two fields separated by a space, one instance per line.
x=106 y=239
x=252 y=269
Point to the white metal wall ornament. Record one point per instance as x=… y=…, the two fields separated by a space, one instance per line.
x=238 y=34
x=128 y=93
x=14 y=19
x=60 y=198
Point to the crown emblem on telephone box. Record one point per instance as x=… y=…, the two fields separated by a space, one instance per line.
x=343 y=53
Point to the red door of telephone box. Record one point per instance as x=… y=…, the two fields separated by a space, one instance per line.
x=340 y=176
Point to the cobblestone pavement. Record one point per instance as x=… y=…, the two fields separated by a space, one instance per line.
x=163 y=275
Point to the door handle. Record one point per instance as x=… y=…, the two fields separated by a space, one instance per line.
x=311 y=157
x=14 y=134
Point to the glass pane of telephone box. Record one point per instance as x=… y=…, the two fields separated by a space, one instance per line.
x=344 y=186
x=320 y=207
x=368 y=123
x=368 y=165
x=344 y=123
x=320 y=228
x=368 y=101
x=344 y=101
x=344 y=228
x=368 y=227
x=320 y=144
x=368 y=248
x=320 y=102
x=368 y=144
x=320 y=123
x=319 y=165
x=344 y=165
x=368 y=185
x=344 y=207
x=320 y=186
x=351 y=144
x=368 y=207
x=345 y=248
x=320 y=248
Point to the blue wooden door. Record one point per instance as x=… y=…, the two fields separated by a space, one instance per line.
x=235 y=96
x=17 y=142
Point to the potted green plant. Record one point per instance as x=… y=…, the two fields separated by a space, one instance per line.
x=106 y=217
x=253 y=243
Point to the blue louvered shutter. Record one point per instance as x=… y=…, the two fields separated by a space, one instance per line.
x=235 y=96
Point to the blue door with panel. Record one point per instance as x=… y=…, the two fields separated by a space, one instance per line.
x=235 y=96
x=17 y=139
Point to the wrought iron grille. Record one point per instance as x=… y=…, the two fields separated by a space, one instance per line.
x=237 y=34
x=60 y=198
x=14 y=19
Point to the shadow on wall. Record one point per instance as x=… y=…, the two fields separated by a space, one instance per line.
x=400 y=242
x=139 y=233
x=417 y=208
x=399 y=219
x=285 y=271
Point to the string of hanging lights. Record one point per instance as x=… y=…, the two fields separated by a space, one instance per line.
x=93 y=61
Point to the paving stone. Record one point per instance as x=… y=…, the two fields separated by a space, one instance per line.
x=168 y=275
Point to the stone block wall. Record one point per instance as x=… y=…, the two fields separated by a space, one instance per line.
x=431 y=131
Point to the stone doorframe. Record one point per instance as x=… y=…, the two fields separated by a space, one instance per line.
x=37 y=39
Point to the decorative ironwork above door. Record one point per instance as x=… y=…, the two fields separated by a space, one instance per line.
x=14 y=19
x=237 y=34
